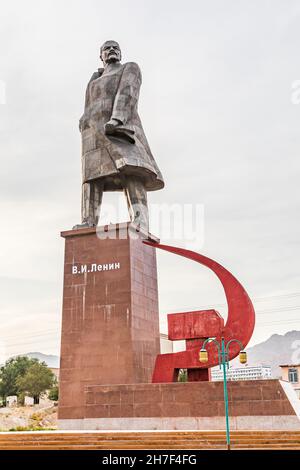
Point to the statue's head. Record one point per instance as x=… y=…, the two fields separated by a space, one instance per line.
x=110 y=52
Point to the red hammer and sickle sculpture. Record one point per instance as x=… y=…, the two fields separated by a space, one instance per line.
x=195 y=327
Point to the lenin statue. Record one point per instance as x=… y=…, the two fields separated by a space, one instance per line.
x=115 y=153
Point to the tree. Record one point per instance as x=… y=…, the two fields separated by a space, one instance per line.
x=10 y=372
x=37 y=379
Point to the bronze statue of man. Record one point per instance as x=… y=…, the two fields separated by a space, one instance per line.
x=115 y=152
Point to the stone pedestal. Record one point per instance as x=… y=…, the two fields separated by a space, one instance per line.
x=256 y=404
x=110 y=321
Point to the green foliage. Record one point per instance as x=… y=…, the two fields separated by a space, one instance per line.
x=183 y=375
x=36 y=417
x=25 y=376
x=10 y=372
x=31 y=428
x=53 y=394
x=37 y=379
x=21 y=398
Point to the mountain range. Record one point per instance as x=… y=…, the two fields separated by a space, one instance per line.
x=275 y=351
x=50 y=359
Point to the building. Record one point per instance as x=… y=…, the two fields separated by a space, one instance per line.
x=55 y=371
x=166 y=346
x=11 y=401
x=291 y=373
x=259 y=372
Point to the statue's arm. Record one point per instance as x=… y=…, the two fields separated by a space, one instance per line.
x=127 y=96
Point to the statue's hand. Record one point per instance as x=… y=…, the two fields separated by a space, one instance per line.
x=111 y=125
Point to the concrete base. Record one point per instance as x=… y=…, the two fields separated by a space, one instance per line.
x=273 y=423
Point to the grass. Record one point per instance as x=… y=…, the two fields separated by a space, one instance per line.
x=31 y=428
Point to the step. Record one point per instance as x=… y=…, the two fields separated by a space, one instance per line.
x=209 y=440
x=135 y=435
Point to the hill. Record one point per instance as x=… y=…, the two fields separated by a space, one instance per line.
x=50 y=359
x=278 y=349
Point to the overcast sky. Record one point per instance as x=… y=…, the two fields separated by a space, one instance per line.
x=217 y=108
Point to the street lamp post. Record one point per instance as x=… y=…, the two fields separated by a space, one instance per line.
x=223 y=350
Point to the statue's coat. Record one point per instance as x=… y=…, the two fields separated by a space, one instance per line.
x=114 y=95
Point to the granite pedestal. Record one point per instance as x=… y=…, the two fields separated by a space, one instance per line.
x=110 y=322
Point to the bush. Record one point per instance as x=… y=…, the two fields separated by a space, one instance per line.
x=183 y=375
x=53 y=394
x=31 y=428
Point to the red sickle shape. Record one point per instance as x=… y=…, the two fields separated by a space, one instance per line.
x=240 y=321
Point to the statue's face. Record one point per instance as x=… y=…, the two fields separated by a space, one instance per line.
x=110 y=52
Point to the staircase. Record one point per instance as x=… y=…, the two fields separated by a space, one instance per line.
x=113 y=440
